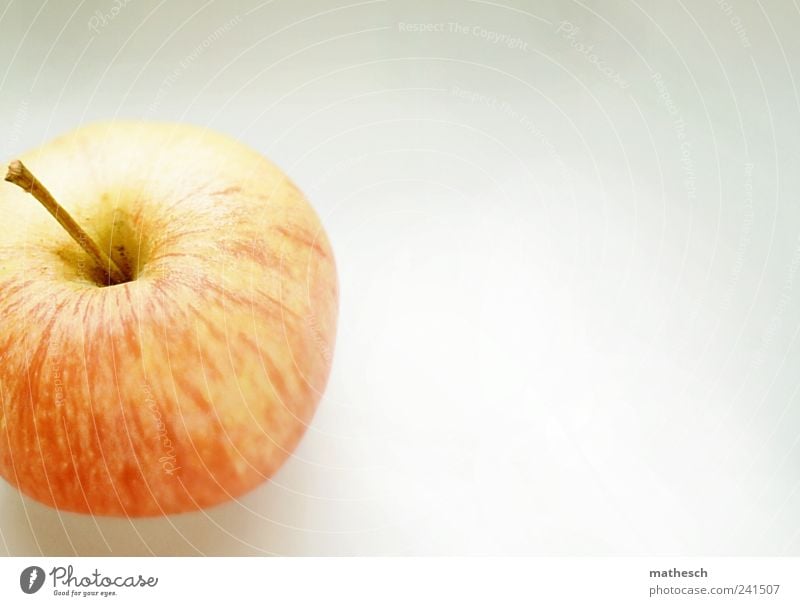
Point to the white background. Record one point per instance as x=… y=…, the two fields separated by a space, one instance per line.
x=568 y=263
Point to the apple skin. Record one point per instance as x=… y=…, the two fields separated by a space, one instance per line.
x=191 y=384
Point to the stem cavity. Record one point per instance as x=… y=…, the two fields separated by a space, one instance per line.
x=19 y=175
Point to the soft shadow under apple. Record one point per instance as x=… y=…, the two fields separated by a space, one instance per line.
x=243 y=527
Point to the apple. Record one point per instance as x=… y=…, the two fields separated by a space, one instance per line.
x=164 y=343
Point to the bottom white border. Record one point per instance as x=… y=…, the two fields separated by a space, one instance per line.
x=406 y=580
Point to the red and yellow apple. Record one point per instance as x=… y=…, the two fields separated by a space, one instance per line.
x=189 y=380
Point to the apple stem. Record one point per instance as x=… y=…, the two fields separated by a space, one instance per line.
x=18 y=174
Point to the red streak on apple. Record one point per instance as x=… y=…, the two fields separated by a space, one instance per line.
x=190 y=384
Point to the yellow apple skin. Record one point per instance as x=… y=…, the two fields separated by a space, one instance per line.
x=192 y=383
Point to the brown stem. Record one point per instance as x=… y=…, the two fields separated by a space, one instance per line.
x=18 y=174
